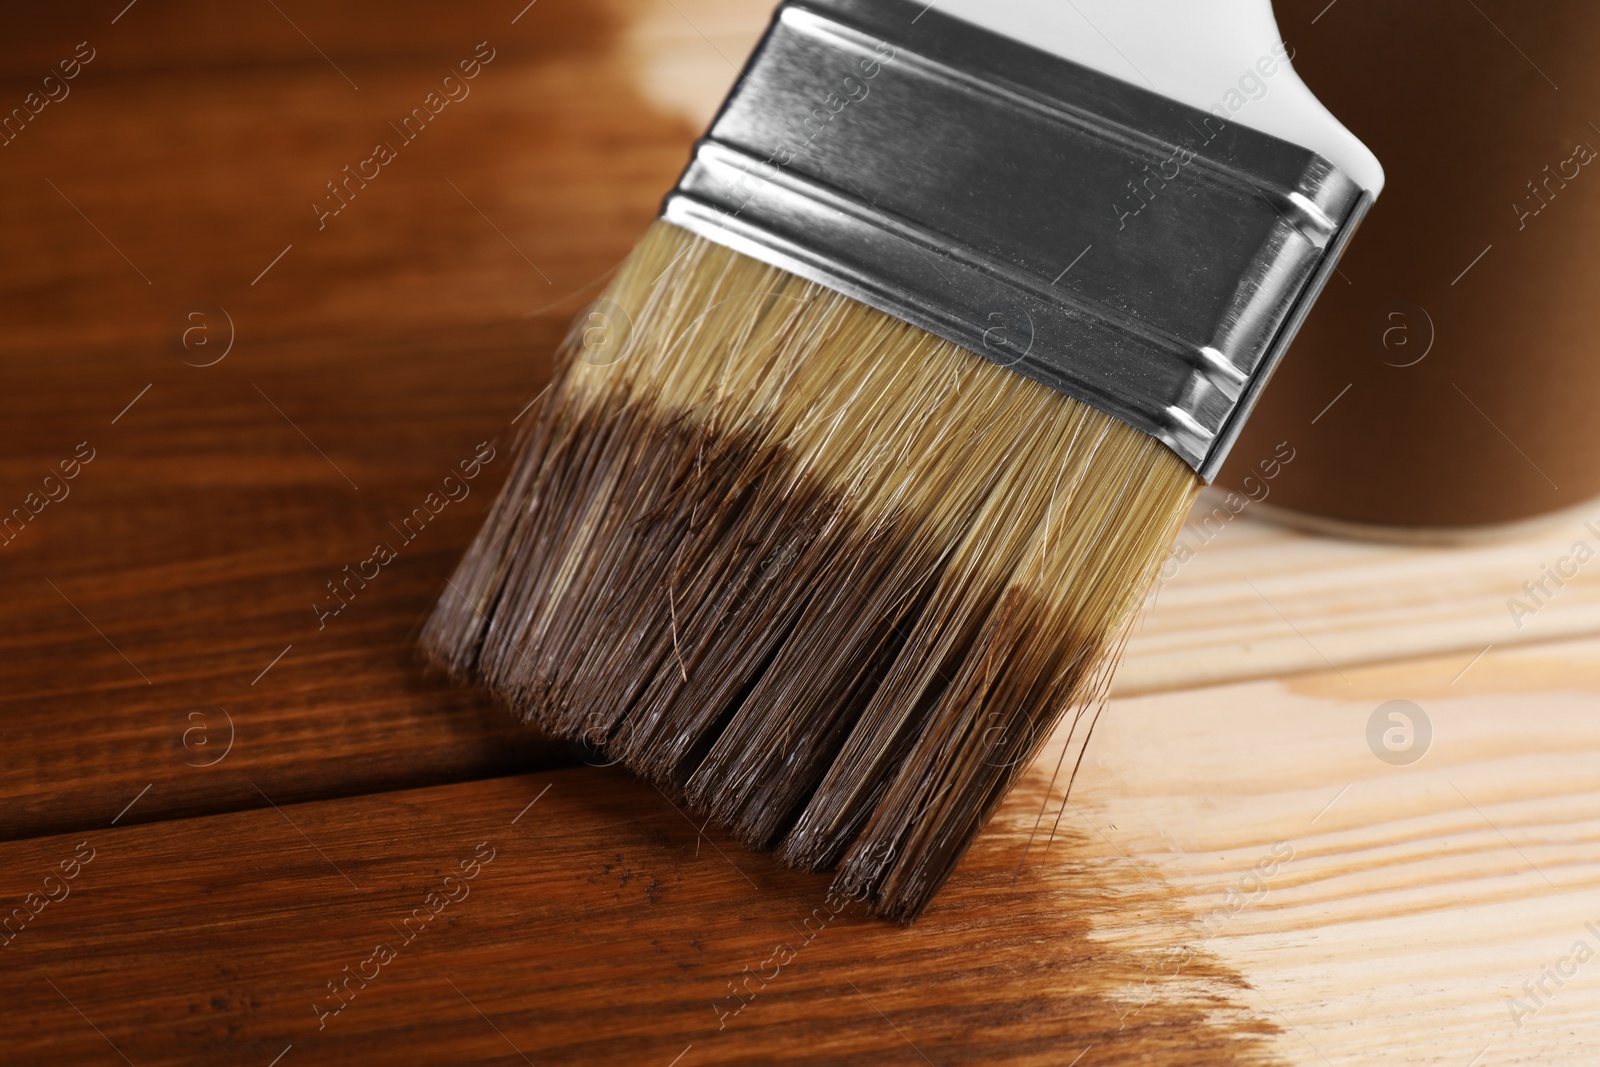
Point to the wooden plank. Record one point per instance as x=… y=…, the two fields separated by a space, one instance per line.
x=1411 y=902
x=1238 y=879
x=1250 y=598
x=366 y=364
x=605 y=930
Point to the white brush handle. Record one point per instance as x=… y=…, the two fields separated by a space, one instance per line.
x=1222 y=56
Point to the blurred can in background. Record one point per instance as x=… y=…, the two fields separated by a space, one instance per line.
x=1448 y=382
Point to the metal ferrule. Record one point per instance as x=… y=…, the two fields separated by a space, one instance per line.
x=1148 y=258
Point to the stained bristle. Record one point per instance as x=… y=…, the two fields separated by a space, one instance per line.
x=829 y=577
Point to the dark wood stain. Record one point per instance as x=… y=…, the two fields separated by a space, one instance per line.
x=399 y=337
x=604 y=930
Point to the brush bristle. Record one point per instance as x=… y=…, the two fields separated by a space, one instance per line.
x=829 y=578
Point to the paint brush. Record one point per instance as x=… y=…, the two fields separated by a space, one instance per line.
x=848 y=491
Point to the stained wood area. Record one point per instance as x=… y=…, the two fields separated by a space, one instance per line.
x=240 y=825
x=266 y=401
x=1237 y=879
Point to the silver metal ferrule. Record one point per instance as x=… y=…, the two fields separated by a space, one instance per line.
x=1148 y=258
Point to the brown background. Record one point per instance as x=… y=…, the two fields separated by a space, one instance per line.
x=1498 y=422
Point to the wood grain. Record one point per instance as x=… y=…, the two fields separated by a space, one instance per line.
x=1418 y=898
x=606 y=929
x=366 y=364
x=1238 y=878
x=1258 y=599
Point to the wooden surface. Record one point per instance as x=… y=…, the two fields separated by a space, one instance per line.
x=1239 y=878
x=1406 y=907
x=1259 y=599
x=367 y=363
